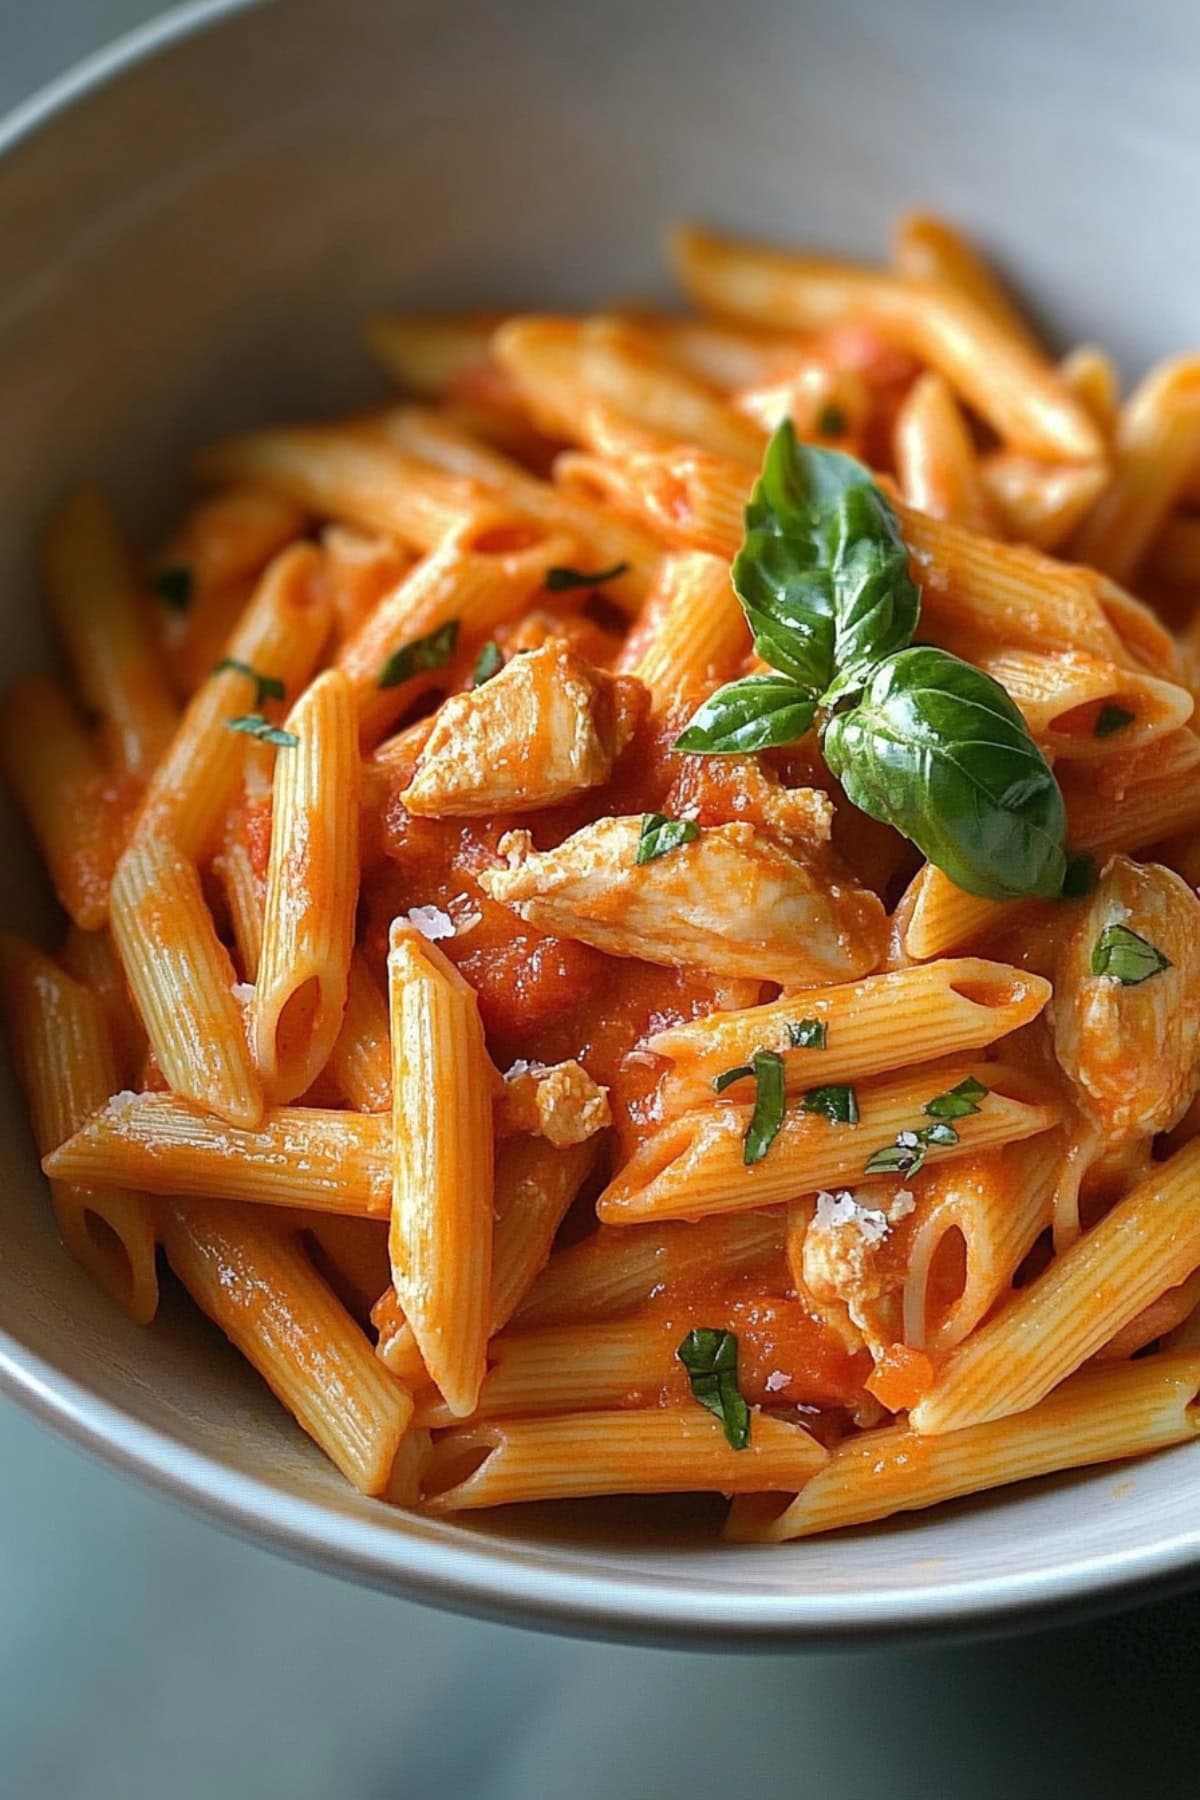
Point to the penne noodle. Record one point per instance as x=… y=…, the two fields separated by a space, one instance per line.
x=1175 y=552
x=936 y=463
x=91 y=957
x=997 y=371
x=278 y=641
x=430 y=354
x=888 y=1021
x=615 y=1270
x=73 y=807
x=182 y=980
x=927 y=248
x=312 y=891
x=569 y=1369
x=1129 y=803
x=535 y=1184
x=693 y=1166
x=360 y=568
x=656 y=1452
x=245 y=892
x=360 y=1062
x=1101 y=1416
x=1039 y=503
x=1092 y=377
x=698 y=631
x=96 y=605
x=300 y=1156
x=253 y=1280
x=1156 y=446
x=442 y=1147
x=1149 y=1242
x=63 y=1057
x=1068 y=697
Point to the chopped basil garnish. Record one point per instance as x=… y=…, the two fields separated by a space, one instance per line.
x=807 y=1034
x=905 y=1158
x=174 y=586
x=559 y=579
x=831 y=420
x=1111 y=718
x=660 y=834
x=729 y=1076
x=489 y=662
x=710 y=1357
x=940 y=1133
x=769 y=1105
x=838 y=1104
x=255 y=726
x=919 y=740
x=430 y=652
x=266 y=687
x=958 y=1101
x=1126 y=957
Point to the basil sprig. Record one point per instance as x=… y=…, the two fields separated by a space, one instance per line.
x=807 y=1034
x=710 y=1357
x=433 y=651
x=659 y=835
x=920 y=740
x=255 y=726
x=266 y=687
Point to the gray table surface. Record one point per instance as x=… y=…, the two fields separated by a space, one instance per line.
x=143 y=1654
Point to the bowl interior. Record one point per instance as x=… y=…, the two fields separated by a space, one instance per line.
x=192 y=244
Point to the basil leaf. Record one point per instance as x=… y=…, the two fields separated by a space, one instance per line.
x=1080 y=877
x=958 y=1101
x=1126 y=957
x=729 y=1076
x=174 y=586
x=266 y=687
x=940 y=1133
x=904 y=1157
x=769 y=1103
x=489 y=662
x=838 y=1104
x=752 y=714
x=807 y=1034
x=710 y=1358
x=559 y=579
x=937 y=749
x=1111 y=718
x=660 y=834
x=255 y=726
x=822 y=574
x=831 y=421
x=430 y=652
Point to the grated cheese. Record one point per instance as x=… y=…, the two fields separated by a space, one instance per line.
x=431 y=922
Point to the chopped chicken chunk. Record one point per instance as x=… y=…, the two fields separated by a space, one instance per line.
x=547 y=726
x=731 y=902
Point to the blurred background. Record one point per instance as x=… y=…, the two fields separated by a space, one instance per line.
x=143 y=1655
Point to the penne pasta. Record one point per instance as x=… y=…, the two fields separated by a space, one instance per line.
x=312 y=891
x=360 y=1062
x=656 y=1452
x=936 y=462
x=694 y=1166
x=300 y=1156
x=254 y=1282
x=1037 y=502
x=182 y=980
x=698 y=634
x=96 y=606
x=887 y=1021
x=270 y=656
x=1149 y=1242
x=997 y=371
x=569 y=1369
x=928 y=248
x=1157 y=443
x=1102 y=1416
x=442 y=1186
x=63 y=1057
x=75 y=810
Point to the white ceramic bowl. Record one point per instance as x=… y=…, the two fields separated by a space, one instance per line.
x=193 y=225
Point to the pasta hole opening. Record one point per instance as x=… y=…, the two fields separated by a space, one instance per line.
x=505 y=540
x=1083 y=722
x=451 y=1465
x=946 y=1283
x=988 y=991
x=294 y=1027
x=111 y=1255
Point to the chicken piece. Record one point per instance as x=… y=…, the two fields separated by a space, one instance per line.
x=561 y=1103
x=731 y=902
x=547 y=726
x=850 y=1260
x=1130 y=1046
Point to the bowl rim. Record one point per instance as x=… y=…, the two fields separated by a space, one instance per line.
x=513 y=1582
